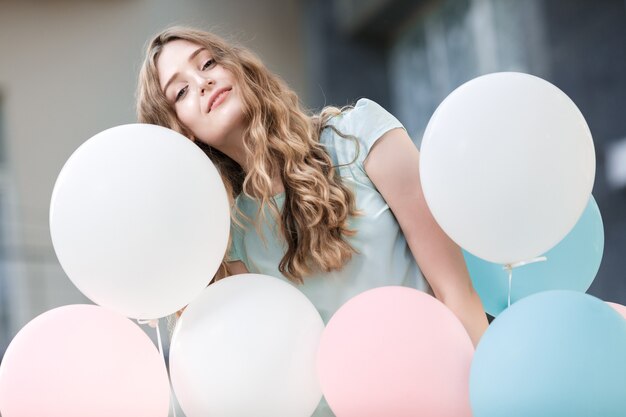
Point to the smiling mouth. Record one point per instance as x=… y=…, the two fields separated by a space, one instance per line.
x=219 y=98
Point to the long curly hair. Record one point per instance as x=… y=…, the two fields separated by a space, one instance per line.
x=280 y=140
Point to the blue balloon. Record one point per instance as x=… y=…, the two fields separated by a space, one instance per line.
x=553 y=354
x=570 y=265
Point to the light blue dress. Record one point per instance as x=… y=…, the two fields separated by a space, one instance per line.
x=383 y=257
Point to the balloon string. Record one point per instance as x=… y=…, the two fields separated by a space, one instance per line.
x=509 y=268
x=159 y=341
x=510 y=279
x=155 y=324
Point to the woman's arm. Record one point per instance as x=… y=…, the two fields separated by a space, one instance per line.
x=393 y=167
x=236 y=267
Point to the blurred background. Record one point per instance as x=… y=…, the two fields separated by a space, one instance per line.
x=68 y=70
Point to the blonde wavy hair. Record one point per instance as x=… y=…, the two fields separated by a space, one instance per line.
x=280 y=139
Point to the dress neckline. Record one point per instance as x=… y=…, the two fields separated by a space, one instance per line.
x=278 y=197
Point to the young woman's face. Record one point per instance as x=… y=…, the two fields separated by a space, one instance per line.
x=204 y=94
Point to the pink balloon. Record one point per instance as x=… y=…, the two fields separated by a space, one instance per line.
x=82 y=360
x=395 y=351
x=618 y=307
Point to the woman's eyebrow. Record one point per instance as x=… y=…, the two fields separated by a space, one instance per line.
x=191 y=57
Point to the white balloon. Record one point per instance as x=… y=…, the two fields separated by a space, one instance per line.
x=507 y=166
x=247 y=347
x=139 y=220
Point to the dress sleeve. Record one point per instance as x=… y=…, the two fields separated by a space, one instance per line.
x=366 y=122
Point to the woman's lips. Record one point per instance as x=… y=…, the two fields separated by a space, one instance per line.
x=219 y=99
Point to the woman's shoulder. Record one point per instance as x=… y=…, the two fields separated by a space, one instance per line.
x=366 y=121
x=363 y=107
x=349 y=135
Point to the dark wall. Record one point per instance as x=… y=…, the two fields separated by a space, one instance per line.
x=343 y=67
x=587 y=56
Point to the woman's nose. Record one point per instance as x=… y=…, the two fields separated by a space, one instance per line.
x=206 y=85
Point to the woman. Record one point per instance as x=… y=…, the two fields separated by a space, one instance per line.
x=331 y=202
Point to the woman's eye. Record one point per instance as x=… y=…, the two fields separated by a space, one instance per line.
x=181 y=93
x=208 y=64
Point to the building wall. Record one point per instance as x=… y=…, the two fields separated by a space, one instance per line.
x=68 y=70
x=587 y=44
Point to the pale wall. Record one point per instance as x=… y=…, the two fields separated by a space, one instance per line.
x=67 y=71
